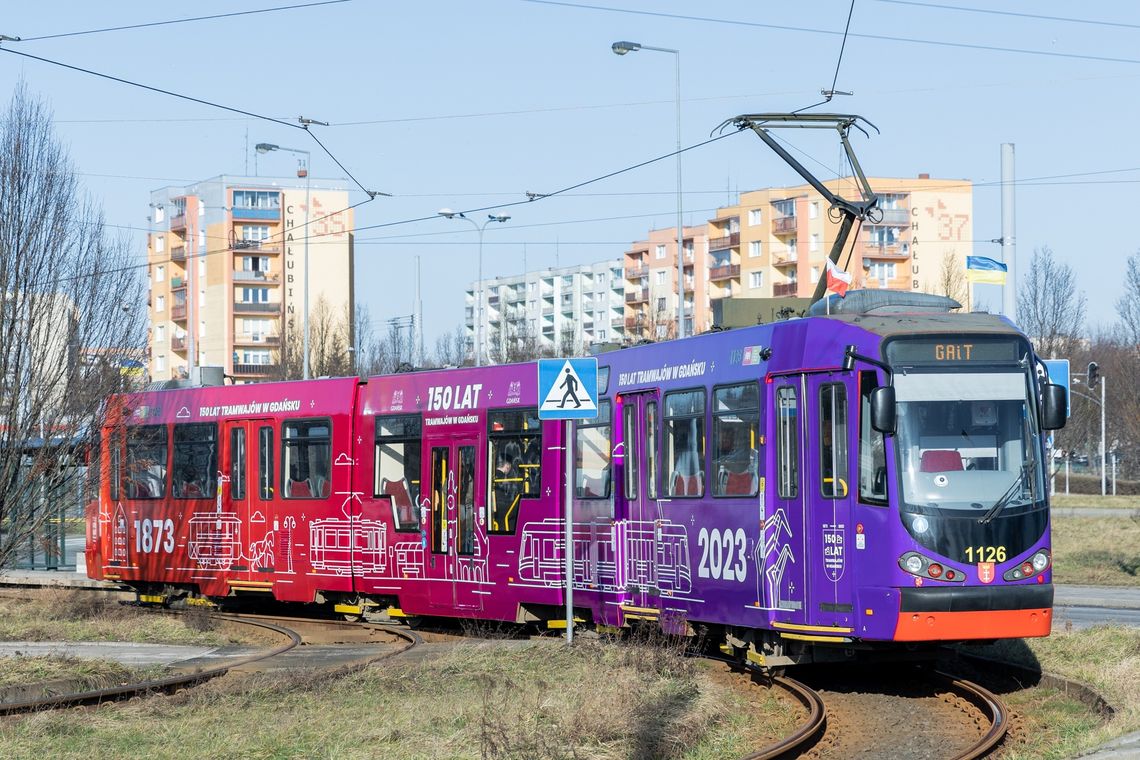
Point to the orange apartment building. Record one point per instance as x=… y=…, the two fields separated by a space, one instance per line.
x=651 y=285
x=773 y=243
x=227 y=271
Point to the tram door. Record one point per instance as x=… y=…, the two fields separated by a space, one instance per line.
x=245 y=502
x=639 y=422
x=783 y=549
x=829 y=531
x=458 y=555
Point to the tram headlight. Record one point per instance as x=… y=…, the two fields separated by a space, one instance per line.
x=913 y=564
x=1040 y=561
x=1035 y=565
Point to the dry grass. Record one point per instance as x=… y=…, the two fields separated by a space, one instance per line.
x=70 y=615
x=501 y=699
x=1094 y=500
x=90 y=674
x=1106 y=658
x=1099 y=551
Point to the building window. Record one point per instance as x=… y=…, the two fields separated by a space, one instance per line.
x=792 y=247
x=660 y=276
x=201 y=328
x=255 y=232
x=785 y=208
x=756 y=279
x=815 y=274
x=159 y=214
x=814 y=241
x=813 y=210
x=160 y=333
x=256 y=358
x=201 y=209
x=159 y=273
x=160 y=303
x=255 y=295
x=754 y=217
x=159 y=243
x=753 y=249
x=883 y=271
x=160 y=363
x=661 y=304
x=257 y=199
x=255 y=263
x=201 y=238
x=202 y=269
x=660 y=252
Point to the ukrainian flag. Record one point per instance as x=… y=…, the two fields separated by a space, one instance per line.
x=988 y=271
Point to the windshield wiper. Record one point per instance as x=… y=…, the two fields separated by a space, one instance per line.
x=1002 y=501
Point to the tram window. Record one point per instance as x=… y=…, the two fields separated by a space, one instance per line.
x=592 y=449
x=397 y=463
x=787 y=442
x=684 y=444
x=872 y=448
x=632 y=466
x=265 y=462
x=306 y=458
x=237 y=463
x=833 y=440
x=515 y=458
x=195 y=474
x=466 y=525
x=145 y=476
x=651 y=448
x=439 y=470
x=736 y=430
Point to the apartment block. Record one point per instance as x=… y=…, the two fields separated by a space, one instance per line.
x=227 y=271
x=774 y=242
x=546 y=310
x=651 y=284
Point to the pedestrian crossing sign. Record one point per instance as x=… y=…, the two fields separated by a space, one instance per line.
x=567 y=389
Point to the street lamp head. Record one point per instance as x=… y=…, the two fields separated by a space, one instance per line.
x=447 y=213
x=623 y=47
x=265 y=147
x=497 y=217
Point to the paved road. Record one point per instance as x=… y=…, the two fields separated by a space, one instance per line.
x=1121 y=512
x=132 y=654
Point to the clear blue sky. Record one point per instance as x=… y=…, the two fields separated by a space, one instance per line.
x=464 y=105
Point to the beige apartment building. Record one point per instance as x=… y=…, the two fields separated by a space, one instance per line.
x=651 y=285
x=774 y=242
x=227 y=271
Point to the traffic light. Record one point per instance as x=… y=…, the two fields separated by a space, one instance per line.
x=1094 y=374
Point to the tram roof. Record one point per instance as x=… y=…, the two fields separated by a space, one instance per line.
x=888 y=325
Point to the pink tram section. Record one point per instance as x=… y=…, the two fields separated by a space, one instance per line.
x=731 y=483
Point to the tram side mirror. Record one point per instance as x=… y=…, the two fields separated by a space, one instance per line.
x=1054 y=401
x=883 y=409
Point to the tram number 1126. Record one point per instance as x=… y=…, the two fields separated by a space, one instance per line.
x=722 y=554
x=153 y=536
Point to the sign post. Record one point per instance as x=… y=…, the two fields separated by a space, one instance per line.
x=568 y=390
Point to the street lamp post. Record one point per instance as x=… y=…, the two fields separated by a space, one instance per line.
x=449 y=214
x=266 y=148
x=621 y=48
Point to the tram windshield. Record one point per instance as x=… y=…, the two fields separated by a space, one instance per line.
x=968 y=444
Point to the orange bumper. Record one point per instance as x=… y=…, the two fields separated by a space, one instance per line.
x=955 y=626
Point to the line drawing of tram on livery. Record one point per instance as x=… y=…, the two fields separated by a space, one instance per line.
x=800 y=490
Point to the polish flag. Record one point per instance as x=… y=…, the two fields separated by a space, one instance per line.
x=837 y=280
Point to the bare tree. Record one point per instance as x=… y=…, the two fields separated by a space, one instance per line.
x=1049 y=308
x=70 y=311
x=330 y=341
x=1128 y=306
x=952 y=279
x=452 y=349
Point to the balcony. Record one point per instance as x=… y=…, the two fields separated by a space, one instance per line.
x=785 y=289
x=272 y=214
x=636 y=273
x=243 y=276
x=638 y=296
x=253 y=369
x=178 y=253
x=895 y=251
x=178 y=222
x=178 y=313
x=249 y=307
x=784 y=225
x=896 y=217
x=178 y=343
x=726 y=272
x=257 y=340
x=785 y=259
x=176 y=282
x=728 y=241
